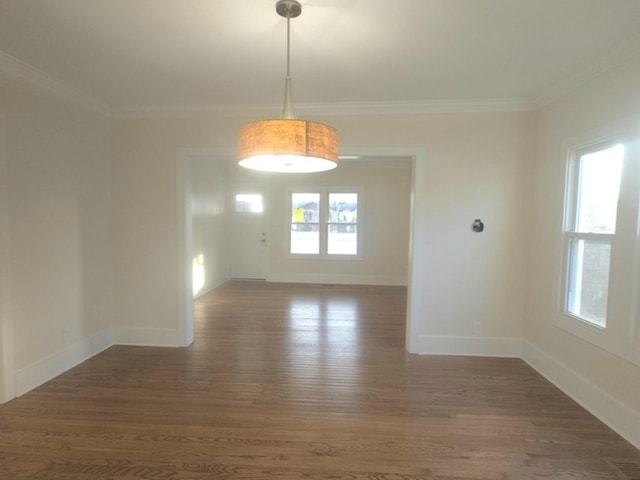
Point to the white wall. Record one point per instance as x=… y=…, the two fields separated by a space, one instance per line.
x=384 y=207
x=210 y=220
x=601 y=380
x=149 y=295
x=475 y=166
x=471 y=165
x=59 y=215
x=7 y=383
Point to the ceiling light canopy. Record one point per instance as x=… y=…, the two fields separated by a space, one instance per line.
x=288 y=144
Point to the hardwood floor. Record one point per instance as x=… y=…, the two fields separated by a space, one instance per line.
x=294 y=382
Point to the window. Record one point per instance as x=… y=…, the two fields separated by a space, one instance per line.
x=249 y=203
x=342 y=224
x=598 y=257
x=590 y=226
x=324 y=223
x=305 y=223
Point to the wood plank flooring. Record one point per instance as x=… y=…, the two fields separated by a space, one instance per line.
x=297 y=382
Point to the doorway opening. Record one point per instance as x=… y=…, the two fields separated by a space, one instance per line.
x=190 y=209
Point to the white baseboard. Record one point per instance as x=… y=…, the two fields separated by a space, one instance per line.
x=147 y=337
x=210 y=287
x=611 y=411
x=40 y=372
x=618 y=416
x=34 y=375
x=468 y=346
x=340 y=279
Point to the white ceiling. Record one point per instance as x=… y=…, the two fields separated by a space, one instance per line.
x=231 y=53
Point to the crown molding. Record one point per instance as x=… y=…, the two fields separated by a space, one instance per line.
x=196 y=111
x=328 y=109
x=421 y=107
x=613 y=58
x=12 y=67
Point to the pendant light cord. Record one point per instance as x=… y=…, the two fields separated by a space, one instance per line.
x=287 y=109
x=288 y=44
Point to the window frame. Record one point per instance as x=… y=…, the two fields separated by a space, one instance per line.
x=323 y=224
x=250 y=211
x=329 y=223
x=570 y=229
x=621 y=337
x=318 y=223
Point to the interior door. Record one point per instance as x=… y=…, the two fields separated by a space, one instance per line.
x=249 y=240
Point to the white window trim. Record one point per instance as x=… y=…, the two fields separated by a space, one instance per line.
x=632 y=177
x=568 y=237
x=324 y=197
x=569 y=231
x=620 y=338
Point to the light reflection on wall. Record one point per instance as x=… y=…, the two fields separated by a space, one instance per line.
x=198 y=273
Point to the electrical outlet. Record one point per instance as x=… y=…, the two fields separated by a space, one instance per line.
x=477 y=328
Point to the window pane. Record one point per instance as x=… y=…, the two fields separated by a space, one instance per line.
x=588 y=280
x=343 y=208
x=598 y=188
x=305 y=238
x=305 y=208
x=342 y=239
x=249 y=203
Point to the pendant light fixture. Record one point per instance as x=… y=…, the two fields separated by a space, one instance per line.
x=288 y=144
